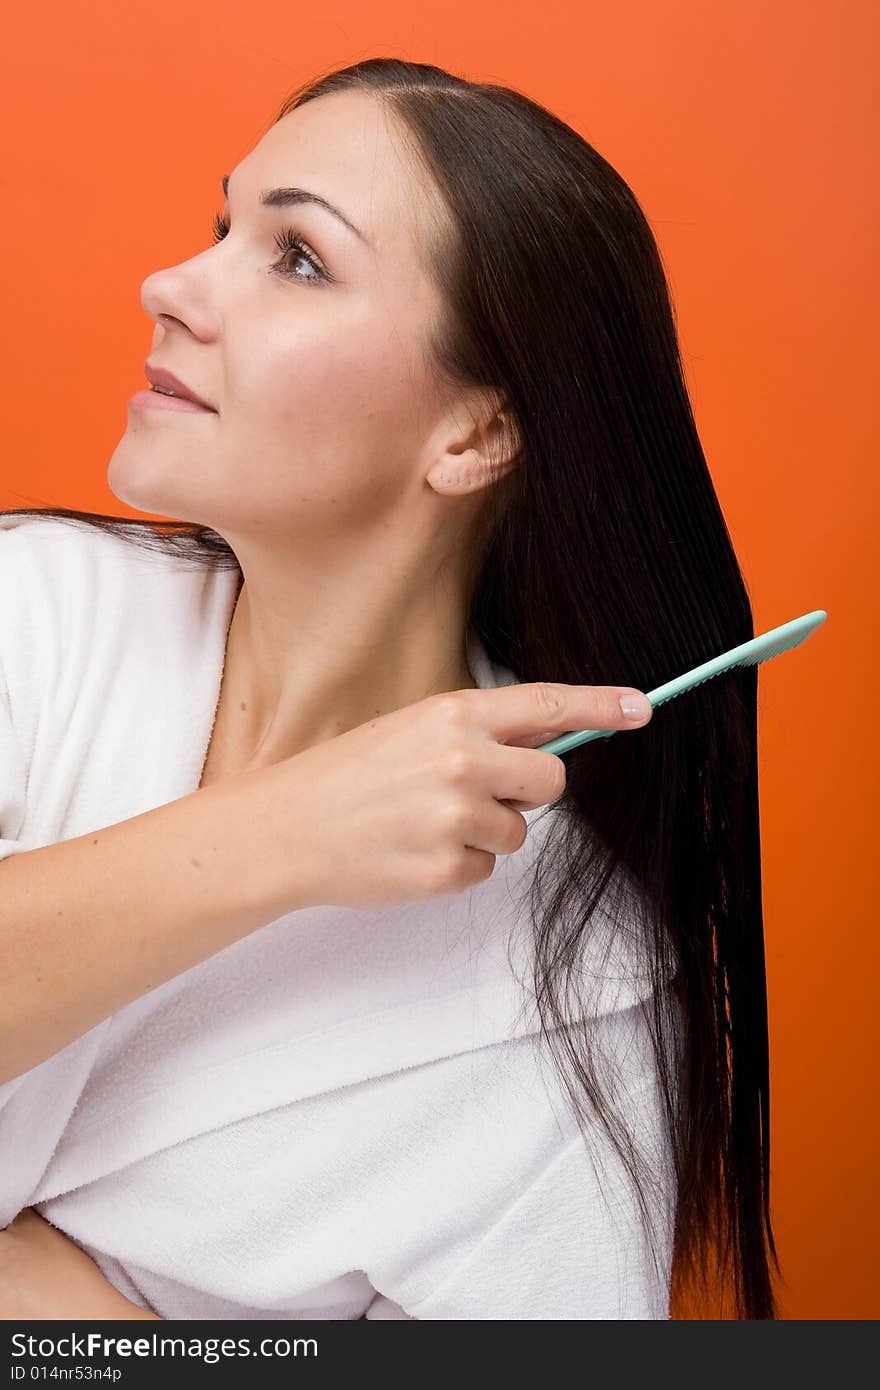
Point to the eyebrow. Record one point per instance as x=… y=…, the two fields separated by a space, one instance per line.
x=288 y=197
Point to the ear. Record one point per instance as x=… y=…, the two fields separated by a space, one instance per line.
x=489 y=451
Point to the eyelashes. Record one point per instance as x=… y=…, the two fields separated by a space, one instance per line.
x=286 y=241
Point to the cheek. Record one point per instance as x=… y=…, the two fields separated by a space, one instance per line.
x=343 y=401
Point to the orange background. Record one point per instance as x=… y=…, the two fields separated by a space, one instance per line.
x=747 y=132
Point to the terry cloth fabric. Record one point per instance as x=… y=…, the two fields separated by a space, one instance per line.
x=348 y=1113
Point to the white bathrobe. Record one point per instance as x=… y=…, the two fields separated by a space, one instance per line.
x=347 y=1113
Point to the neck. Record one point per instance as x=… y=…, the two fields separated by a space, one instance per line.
x=299 y=670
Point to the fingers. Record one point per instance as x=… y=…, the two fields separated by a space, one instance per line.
x=526 y=777
x=532 y=713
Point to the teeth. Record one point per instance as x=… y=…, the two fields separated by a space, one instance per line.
x=164 y=390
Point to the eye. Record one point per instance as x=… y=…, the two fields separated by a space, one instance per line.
x=286 y=241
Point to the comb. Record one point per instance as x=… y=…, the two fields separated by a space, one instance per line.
x=772 y=643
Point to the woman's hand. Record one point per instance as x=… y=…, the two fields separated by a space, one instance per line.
x=45 y=1275
x=419 y=802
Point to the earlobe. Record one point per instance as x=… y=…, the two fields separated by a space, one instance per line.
x=479 y=466
x=455 y=482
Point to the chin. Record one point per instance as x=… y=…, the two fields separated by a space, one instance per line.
x=145 y=482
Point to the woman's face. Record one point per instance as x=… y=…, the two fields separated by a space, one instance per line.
x=327 y=419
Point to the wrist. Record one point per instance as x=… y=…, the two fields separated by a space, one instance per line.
x=278 y=872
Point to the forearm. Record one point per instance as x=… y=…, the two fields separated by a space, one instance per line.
x=90 y=924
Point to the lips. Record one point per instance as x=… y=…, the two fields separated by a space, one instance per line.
x=160 y=376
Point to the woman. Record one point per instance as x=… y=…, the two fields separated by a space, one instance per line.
x=448 y=446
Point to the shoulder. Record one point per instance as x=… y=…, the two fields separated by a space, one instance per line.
x=67 y=583
x=50 y=568
x=88 y=617
x=64 y=556
x=30 y=536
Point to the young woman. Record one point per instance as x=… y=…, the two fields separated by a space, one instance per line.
x=335 y=996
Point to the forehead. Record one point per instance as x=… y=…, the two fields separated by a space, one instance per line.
x=350 y=149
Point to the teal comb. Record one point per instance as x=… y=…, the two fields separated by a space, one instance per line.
x=772 y=643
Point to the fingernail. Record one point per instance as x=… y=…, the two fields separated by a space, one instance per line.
x=635 y=706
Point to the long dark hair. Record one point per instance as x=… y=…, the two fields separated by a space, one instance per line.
x=605 y=559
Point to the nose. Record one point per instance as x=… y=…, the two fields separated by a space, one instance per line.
x=178 y=297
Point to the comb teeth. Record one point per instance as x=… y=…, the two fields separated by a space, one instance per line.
x=752 y=653
x=787 y=638
x=747 y=661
